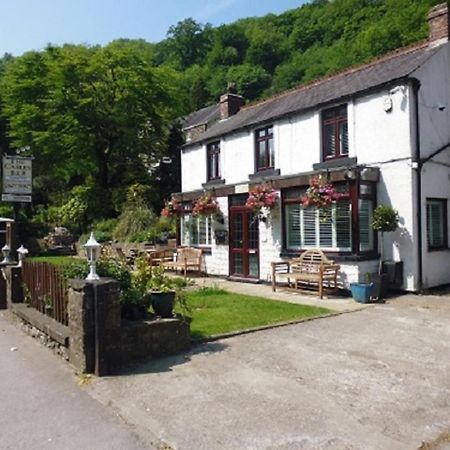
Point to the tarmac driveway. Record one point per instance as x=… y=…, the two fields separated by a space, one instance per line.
x=372 y=379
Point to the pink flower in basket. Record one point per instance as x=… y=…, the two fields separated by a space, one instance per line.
x=320 y=193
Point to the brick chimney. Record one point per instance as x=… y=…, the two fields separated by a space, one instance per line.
x=438 y=20
x=230 y=102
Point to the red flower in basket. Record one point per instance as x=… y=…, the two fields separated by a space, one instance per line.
x=261 y=196
x=205 y=205
x=171 y=208
x=320 y=193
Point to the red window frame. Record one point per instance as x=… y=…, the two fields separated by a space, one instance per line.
x=264 y=137
x=333 y=120
x=213 y=161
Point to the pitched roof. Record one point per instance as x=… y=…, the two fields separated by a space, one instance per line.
x=394 y=66
x=204 y=115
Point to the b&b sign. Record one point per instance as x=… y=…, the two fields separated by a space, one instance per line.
x=17 y=179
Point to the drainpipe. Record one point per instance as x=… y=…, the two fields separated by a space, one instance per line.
x=417 y=165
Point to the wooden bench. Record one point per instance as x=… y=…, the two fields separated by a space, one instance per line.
x=187 y=258
x=161 y=256
x=312 y=269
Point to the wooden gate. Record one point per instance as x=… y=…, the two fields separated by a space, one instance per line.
x=45 y=289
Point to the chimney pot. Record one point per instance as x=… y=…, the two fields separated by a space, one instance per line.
x=438 y=20
x=230 y=104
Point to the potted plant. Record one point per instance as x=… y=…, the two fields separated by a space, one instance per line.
x=164 y=292
x=135 y=300
x=161 y=292
x=385 y=220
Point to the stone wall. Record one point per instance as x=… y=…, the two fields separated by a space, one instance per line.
x=101 y=343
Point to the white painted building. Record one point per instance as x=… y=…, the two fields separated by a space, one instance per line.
x=380 y=133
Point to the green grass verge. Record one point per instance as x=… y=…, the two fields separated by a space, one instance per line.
x=215 y=311
x=57 y=260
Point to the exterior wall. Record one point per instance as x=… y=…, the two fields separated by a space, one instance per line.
x=216 y=263
x=270 y=243
x=193 y=168
x=434 y=93
x=297 y=144
x=380 y=136
x=434 y=118
x=435 y=184
x=395 y=188
x=237 y=157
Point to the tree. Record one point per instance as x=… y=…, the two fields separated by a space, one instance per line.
x=91 y=114
x=250 y=80
x=189 y=42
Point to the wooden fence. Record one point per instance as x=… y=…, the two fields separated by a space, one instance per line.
x=45 y=289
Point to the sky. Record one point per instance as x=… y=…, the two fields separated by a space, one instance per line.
x=32 y=24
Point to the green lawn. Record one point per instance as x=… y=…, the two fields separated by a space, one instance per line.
x=216 y=311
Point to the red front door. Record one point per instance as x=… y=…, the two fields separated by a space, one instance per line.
x=244 y=242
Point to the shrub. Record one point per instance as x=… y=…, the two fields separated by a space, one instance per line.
x=103 y=229
x=109 y=268
x=136 y=217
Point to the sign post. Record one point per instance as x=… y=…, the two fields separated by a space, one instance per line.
x=17 y=179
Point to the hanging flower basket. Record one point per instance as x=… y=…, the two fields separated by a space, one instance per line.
x=320 y=194
x=206 y=205
x=172 y=208
x=262 y=199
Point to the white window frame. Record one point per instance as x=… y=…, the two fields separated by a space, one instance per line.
x=187 y=221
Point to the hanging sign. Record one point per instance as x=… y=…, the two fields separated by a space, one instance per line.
x=17 y=179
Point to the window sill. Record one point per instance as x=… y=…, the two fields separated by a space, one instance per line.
x=205 y=249
x=336 y=256
x=214 y=182
x=438 y=249
x=264 y=173
x=337 y=161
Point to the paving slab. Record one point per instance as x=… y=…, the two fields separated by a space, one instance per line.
x=373 y=379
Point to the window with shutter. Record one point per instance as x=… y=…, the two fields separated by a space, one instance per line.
x=315 y=228
x=334 y=132
x=366 y=241
x=437 y=224
x=213 y=161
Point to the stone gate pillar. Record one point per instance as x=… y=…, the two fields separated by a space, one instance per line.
x=94 y=324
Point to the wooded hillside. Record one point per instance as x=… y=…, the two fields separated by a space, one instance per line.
x=273 y=53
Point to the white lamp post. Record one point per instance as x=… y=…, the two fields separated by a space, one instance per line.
x=22 y=253
x=6 y=252
x=92 y=252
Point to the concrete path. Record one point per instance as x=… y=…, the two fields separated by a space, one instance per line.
x=336 y=303
x=42 y=407
x=376 y=379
